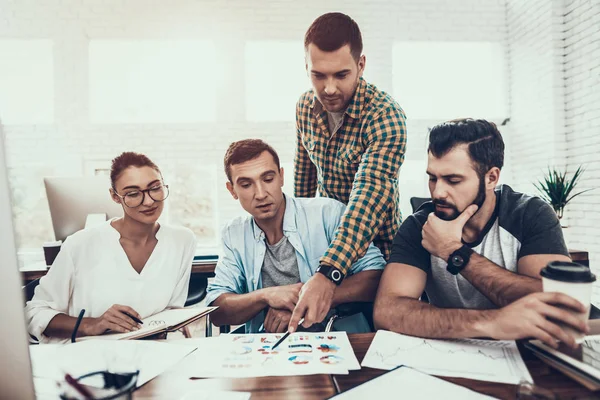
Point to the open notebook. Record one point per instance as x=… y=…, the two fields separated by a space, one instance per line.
x=165 y=321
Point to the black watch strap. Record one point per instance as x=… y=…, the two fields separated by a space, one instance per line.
x=332 y=273
x=459 y=259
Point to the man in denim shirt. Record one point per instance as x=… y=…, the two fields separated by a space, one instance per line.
x=269 y=255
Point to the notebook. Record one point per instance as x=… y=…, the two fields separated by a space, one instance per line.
x=165 y=321
x=581 y=364
x=586 y=380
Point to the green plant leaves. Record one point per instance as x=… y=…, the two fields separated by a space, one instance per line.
x=556 y=188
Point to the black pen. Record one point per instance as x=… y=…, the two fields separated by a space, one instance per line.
x=139 y=321
x=285 y=336
x=77 y=323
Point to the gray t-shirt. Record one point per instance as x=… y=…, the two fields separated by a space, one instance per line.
x=334 y=121
x=280 y=266
x=521 y=225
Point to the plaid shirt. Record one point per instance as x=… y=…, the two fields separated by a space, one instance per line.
x=358 y=166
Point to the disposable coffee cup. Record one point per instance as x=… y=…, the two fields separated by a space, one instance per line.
x=51 y=250
x=574 y=280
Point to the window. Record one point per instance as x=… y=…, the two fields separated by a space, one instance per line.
x=275 y=79
x=152 y=81
x=446 y=80
x=26 y=82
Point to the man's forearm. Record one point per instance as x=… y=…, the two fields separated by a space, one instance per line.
x=359 y=287
x=416 y=318
x=499 y=285
x=237 y=309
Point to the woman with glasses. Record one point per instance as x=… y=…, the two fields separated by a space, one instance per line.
x=125 y=269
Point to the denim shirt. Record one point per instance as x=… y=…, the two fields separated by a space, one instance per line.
x=309 y=225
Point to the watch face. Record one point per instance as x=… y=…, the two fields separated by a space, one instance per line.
x=457 y=261
x=336 y=275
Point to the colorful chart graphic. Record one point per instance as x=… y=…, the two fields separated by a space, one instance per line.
x=331 y=359
x=271 y=339
x=237 y=362
x=300 y=348
x=300 y=360
x=320 y=337
x=299 y=338
x=242 y=350
x=328 y=348
x=264 y=350
x=244 y=339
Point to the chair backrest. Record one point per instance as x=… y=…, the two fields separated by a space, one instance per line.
x=196 y=289
x=416 y=202
x=348 y=309
x=29 y=289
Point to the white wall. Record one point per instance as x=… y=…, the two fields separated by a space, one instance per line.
x=72 y=142
x=554 y=64
x=582 y=119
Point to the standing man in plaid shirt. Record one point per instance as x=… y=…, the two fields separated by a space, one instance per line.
x=350 y=145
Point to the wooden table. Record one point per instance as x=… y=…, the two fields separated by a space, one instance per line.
x=28 y=275
x=174 y=384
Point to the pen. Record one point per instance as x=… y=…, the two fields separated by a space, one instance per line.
x=286 y=335
x=139 y=321
x=79 y=387
x=77 y=323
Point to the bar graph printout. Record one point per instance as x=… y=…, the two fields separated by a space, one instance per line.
x=484 y=360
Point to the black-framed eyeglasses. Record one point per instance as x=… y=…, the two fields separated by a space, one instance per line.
x=115 y=386
x=135 y=198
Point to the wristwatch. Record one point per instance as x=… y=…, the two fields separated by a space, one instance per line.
x=459 y=259
x=332 y=273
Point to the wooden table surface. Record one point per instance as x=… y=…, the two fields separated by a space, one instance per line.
x=208 y=269
x=174 y=384
x=27 y=275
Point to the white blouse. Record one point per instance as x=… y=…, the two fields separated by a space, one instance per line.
x=92 y=272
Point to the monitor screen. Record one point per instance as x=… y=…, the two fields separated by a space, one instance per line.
x=72 y=199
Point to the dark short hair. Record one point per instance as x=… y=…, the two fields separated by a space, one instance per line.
x=246 y=150
x=485 y=144
x=126 y=160
x=332 y=31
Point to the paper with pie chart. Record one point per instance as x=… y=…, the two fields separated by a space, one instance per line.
x=484 y=360
x=252 y=355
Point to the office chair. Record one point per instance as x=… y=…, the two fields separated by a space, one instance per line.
x=196 y=289
x=416 y=202
x=29 y=289
x=348 y=309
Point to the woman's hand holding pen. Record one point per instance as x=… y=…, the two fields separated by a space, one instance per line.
x=117 y=318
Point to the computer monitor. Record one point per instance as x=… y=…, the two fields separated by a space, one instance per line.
x=72 y=199
x=16 y=381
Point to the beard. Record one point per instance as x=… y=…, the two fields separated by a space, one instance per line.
x=337 y=103
x=454 y=213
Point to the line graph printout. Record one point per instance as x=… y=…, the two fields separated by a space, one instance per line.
x=484 y=360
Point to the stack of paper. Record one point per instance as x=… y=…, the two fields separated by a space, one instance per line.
x=485 y=360
x=251 y=355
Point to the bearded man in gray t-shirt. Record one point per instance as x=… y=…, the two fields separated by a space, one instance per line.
x=476 y=249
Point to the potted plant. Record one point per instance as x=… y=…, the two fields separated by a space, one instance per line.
x=556 y=188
